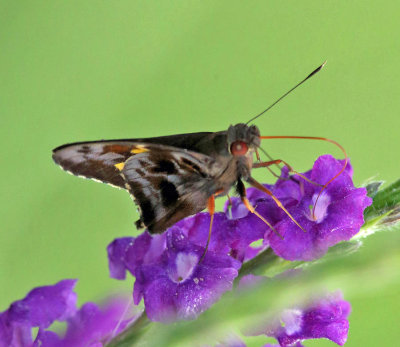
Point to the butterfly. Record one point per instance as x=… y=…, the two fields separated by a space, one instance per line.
x=169 y=177
x=172 y=177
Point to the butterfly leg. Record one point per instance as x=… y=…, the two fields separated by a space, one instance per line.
x=280 y=161
x=242 y=192
x=211 y=211
x=229 y=208
x=277 y=162
x=268 y=166
x=346 y=158
x=259 y=186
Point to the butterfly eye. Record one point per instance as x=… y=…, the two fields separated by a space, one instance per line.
x=239 y=148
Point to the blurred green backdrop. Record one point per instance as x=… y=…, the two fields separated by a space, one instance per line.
x=87 y=70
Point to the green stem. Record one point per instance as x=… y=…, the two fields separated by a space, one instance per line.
x=131 y=335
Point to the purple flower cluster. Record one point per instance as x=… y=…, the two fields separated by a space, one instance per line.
x=324 y=318
x=172 y=282
x=178 y=280
x=90 y=326
x=338 y=214
x=176 y=285
x=87 y=326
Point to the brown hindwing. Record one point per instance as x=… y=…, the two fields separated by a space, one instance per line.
x=169 y=184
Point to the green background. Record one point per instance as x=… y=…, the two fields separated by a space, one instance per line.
x=88 y=70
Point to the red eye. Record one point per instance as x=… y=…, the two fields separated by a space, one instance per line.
x=239 y=148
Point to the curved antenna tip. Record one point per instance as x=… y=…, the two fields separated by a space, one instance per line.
x=322 y=65
x=288 y=92
x=318 y=69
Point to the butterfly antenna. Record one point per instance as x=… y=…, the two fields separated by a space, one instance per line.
x=319 y=68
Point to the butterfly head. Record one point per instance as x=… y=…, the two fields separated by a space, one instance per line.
x=243 y=139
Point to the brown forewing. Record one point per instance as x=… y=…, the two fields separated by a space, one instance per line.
x=95 y=160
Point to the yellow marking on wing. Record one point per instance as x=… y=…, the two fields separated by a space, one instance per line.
x=139 y=149
x=120 y=166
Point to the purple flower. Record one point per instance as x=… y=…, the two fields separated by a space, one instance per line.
x=88 y=326
x=325 y=318
x=237 y=210
x=337 y=217
x=178 y=286
x=338 y=213
x=229 y=236
x=169 y=277
x=128 y=252
x=40 y=308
